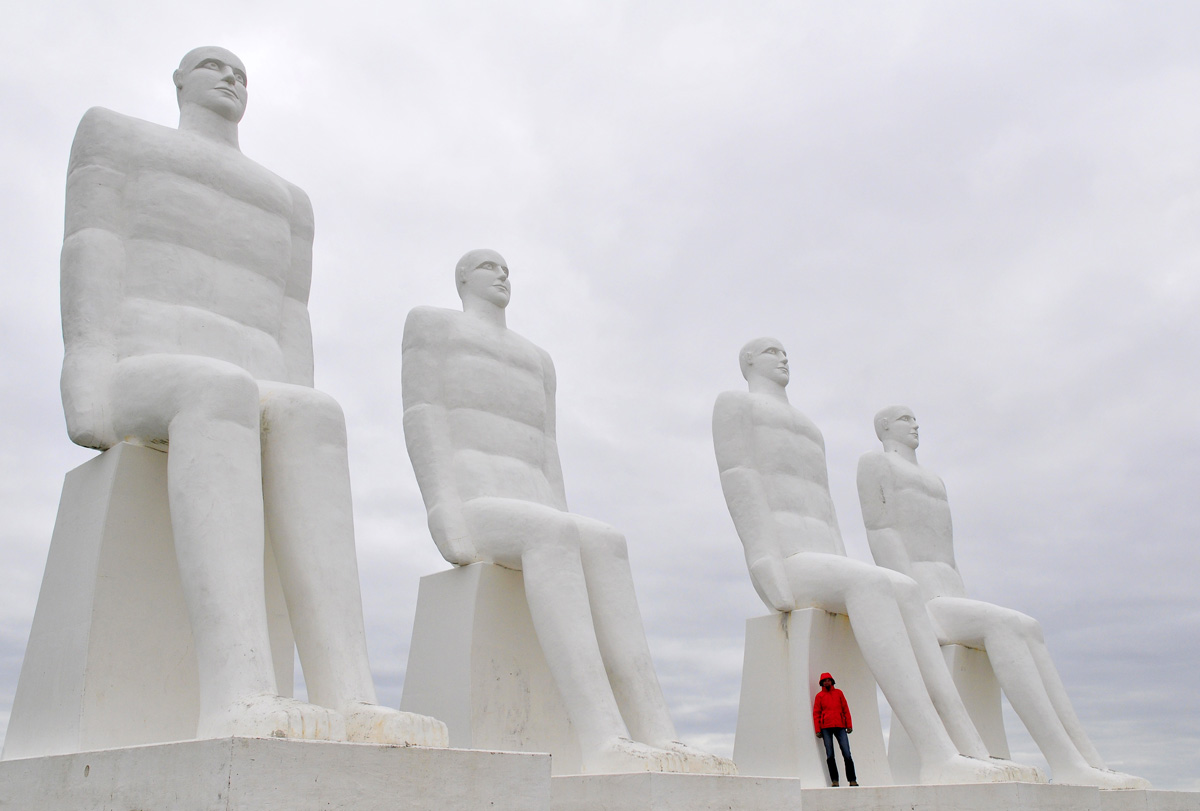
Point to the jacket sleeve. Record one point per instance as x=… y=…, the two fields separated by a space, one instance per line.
x=817 y=714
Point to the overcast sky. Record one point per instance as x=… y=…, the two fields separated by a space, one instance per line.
x=986 y=211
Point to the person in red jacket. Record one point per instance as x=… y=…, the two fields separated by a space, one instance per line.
x=831 y=718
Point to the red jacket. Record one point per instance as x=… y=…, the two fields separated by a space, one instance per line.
x=830 y=710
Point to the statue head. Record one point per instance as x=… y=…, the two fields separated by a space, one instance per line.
x=898 y=424
x=214 y=79
x=765 y=358
x=482 y=275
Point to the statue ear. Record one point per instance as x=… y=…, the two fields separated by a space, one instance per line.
x=177 y=78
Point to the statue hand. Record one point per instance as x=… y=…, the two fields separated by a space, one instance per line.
x=768 y=574
x=449 y=532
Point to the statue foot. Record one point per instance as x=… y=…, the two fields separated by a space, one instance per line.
x=1101 y=778
x=268 y=716
x=964 y=769
x=1020 y=772
x=697 y=762
x=372 y=723
x=621 y=756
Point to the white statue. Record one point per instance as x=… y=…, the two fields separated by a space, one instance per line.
x=479 y=421
x=907 y=517
x=185 y=279
x=773 y=473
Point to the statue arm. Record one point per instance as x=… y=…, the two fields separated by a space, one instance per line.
x=745 y=495
x=295 y=338
x=552 y=464
x=427 y=435
x=91 y=265
x=876 y=496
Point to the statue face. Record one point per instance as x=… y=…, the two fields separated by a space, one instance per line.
x=902 y=427
x=770 y=360
x=214 y=79
x=488 y=281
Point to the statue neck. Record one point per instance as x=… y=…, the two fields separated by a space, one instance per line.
x=485 y=311
x=901 y=450
x=769 y=388
x=204 y=122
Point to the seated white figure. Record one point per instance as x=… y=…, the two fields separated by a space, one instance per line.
x=479 y=421
x=773 y=473
x=185 y=279
x=907 y=517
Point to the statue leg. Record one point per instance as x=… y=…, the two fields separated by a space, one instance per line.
x=207 y=410
x=544 y=544
x=621 y=636
x=1014 y=644
x=937 y=678
x=306 y=485
x=865 y=594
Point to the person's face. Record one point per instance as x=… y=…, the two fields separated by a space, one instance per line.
x=771 y=362
x=826 y=683
x=489 y=281
x=902 y=427
x=215 y=79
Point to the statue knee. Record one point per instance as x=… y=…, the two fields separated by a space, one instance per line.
x=1029 y=628
x=296 y=408
x=601 y=540
x=222 y=393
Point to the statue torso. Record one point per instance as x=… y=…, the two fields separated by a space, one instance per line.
x=497 y=389
x=788 y=452
x=207 y=241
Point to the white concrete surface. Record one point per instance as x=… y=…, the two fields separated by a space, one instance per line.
x=784 y=656
x=775 y=480
x=907 y=517
x=480 y=428
x=674 y=792
x=264 y=774
x=110 y=660
x=980 y=797
x=475 y=663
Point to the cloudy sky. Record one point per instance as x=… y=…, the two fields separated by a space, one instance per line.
x=987 y=211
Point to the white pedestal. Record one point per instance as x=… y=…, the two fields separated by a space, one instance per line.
x=475 y=664
x=785 y=655
x=980 y=692
x=264 y=774
x=110 y=660
x=1149 y=800
x=673 y=792
x=977 y=797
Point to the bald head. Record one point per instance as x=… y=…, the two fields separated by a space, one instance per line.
x=472 y=260
x=753 y=349
x=899 y=423
x=192 y=59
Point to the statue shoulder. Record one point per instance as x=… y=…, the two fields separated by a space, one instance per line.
x=303 y=221
x=104 y=137
x=873 y=464
x=731 y=404
x=428 y=325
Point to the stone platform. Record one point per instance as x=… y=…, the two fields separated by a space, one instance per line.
x=263 y=774
x=995 y=797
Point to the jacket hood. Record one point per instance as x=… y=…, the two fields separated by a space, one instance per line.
x=825 y=676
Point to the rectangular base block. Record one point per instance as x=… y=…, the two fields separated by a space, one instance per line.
x=673 y=792
x=264 y=774
x=1149 y=800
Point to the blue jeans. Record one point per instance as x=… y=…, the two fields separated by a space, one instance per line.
x=828 y=734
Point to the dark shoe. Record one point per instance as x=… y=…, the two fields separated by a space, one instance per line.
x=835 y=784
x=854 y=782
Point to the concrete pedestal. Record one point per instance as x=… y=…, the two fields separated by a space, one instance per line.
x=785 y=655
x=980 y=692
x=475 y=664
x=110 y=660
x=262 y=774
x=673 y=792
